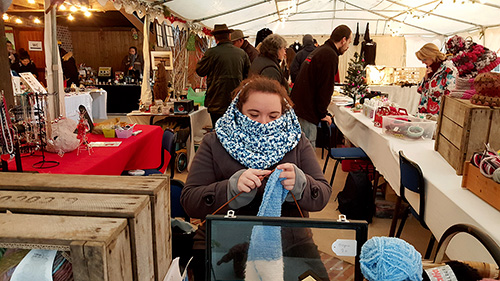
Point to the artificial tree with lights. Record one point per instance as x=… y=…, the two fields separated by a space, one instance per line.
x=355 y=85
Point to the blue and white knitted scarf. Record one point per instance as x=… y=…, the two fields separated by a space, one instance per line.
x=265 y=254
x=256 y=145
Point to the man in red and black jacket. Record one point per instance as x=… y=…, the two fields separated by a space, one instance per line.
x=313 y=87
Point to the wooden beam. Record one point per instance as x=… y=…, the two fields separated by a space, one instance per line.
x=138 y=24
x=5 y=79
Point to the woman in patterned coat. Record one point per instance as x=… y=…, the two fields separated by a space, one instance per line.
x=439 y=79
x=258 y=133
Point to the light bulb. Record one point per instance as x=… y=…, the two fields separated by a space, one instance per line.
x=62 y=8
x=31 y=1
x=18 y=21
x=87 y=14
x=5 y=17
x=71 y=17
x=36 y=20
x=73 y=9
x=84 y=9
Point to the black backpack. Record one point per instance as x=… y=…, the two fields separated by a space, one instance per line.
x=356 y=200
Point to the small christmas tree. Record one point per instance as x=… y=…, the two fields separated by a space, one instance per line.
x=355 y=85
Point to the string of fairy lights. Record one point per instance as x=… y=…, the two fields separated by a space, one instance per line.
x=71 y=10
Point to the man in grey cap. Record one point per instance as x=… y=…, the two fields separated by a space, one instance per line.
x=308 y=47
x=225 y=67
x=240 y=42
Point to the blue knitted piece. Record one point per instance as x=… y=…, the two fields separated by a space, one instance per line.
x=265 y=242
x=390 y=259
x=253 y=144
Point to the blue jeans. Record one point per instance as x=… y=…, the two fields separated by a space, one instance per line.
x=310 y=130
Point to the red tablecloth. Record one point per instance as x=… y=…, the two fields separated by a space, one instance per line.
x=136 y=152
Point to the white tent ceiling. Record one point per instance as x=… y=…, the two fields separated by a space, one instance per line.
x=386 y=17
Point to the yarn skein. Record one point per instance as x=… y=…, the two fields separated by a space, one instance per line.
x=390 y=259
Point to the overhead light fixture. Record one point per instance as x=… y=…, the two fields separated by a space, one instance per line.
x=5 y=17
x=31 y=1
x=62 y=8
x=37 y=21
x=87 y=14
x=71 y=17
x=73 y=9
x=18 y=20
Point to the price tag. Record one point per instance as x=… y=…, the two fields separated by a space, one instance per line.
x=344 y=247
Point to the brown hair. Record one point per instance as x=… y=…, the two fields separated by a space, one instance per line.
x=340 y=32
x=430 y=51
x=271 y=45
x=264 y=85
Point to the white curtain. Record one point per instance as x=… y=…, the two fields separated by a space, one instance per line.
x=51 y=64
x=146 y=88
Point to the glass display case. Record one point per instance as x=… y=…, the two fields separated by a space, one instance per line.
x=248 y=248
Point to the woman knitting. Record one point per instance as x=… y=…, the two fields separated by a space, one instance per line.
x=258 y=133
x=438 y=81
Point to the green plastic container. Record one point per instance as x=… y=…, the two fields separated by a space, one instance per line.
x=196 y=97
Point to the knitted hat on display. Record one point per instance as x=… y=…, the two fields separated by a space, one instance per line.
x=487 y=86
x=471 y=58
x=390 y=259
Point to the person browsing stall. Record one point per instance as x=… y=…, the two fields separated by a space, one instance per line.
x=225 y=66
x=25 y=64
x=272 y=52
x=258 y=133
x=240 y=41
x=438 y=81
x=313 y=88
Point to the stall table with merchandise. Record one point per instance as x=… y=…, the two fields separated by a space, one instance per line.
x=405 y=97
x=198 y=120
x=447 y=203
x=94 y=101
x=136 y=152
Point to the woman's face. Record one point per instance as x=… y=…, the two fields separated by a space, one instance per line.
x=427 y=61
x=262 y=107
x=282 y=53
x=25 y=61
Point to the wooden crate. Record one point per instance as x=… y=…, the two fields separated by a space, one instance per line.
x=135 y=208
x=485 y=188
x=158 y=190
x=463 y=129
x=99 y=247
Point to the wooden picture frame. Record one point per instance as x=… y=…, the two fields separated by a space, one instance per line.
x=162 y=56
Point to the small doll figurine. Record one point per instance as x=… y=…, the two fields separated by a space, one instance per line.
x=82 y=129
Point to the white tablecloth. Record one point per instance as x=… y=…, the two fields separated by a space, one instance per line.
x=447 y=203
x=197 y=120
x=406 y=97
x=72 y=102
x=99 y=104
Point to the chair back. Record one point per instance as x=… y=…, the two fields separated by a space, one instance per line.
x=412 y=179
x=168 y=144
x=177 y=210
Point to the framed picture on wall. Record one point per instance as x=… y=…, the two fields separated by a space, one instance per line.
x=160 y=38
x=162 y=56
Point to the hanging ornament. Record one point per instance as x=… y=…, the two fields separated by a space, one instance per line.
x=135 y=34
x=117 y=4
x=166 y=12
x=141 y=12
x=102 y=2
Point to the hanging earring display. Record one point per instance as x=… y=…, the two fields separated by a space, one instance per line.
x=6 y=139
x=40 y=100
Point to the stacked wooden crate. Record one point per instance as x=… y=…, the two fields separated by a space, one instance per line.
x=143 y=201
x=99 y=247
x=463 y=129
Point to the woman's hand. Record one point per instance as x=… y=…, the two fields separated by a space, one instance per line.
x=251 y=179
x=288 y=172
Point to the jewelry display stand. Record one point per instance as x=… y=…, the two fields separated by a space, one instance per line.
x=44 y=164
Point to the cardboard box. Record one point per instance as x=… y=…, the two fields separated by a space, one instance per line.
x=485 y=188
x=464 y=128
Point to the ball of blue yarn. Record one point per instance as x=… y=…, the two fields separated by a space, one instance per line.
x=390 y=259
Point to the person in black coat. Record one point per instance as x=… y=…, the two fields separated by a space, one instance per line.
x=70 y=70
x=308 y=43
x=25 y=63
x=272 y=52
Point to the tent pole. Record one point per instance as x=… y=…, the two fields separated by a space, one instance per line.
x=230 y=11
x=54 y=64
